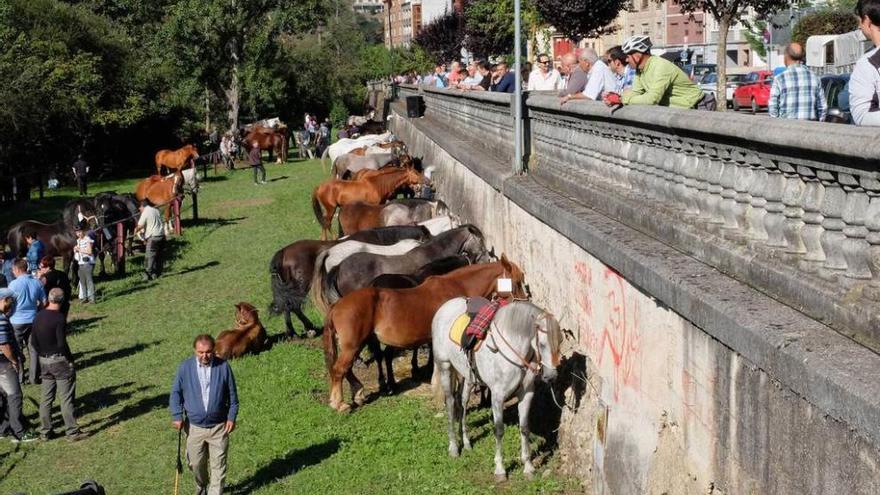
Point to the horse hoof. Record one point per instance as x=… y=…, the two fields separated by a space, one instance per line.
x=342 y=408
x=388 y=391
x=466 y=445
x=453 y=452
x=500 y=478
x=359 y=400
x=529 y=475
x=311 y=334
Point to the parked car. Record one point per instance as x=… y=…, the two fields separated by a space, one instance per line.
x=754 y=91
x=709 y=84
x=697 y=71
x=836 y=88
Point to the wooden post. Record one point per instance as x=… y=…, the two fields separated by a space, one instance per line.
x=175 y=210
x=195 y=200
x=120 y=249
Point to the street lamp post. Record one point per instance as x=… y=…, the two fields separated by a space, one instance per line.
x=517 y=103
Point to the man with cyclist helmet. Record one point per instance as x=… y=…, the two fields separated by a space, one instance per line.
x=657 y=82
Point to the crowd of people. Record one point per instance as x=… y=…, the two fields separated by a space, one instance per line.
x=629 y=74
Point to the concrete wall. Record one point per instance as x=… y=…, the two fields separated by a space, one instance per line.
x=698 y=383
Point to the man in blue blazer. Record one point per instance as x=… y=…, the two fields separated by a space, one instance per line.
x=204 y=387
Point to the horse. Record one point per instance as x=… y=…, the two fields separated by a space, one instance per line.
x=372 y=190
x=292 y=267
x=161 y=191
x=399 y=318
x=57 y=238
x=339 y=253
x=177 y=159
x=345 y=145
x=348 y=164
x=249 y=335
x=269 y=139
x=358 y=270
x=112 y=208
x=395 y=146
x=440 y=266
x=522 y=343
x=440 y=224
x=79 y=209
x=358 y=216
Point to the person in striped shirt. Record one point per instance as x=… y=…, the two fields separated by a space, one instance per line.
x=797 y=93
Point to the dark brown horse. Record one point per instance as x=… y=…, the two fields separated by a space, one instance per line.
x=161 y=191
x=292 y=267
x=372 y=190
x=274 y=140
x=399 y=317
x=57 y=238
x=177 y=159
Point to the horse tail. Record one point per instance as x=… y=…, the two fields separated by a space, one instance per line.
x=330 y=291
x=329 y=335
x=325 y=155
x=316 y=207
x=317 y=290
x=280 y=288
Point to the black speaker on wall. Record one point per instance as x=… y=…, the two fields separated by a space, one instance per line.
x=415 y=106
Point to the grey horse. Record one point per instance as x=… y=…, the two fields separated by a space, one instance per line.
x=523 y=342
x=349 y=163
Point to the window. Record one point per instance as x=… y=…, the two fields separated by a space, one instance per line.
x=685 y=32
x=644 y=4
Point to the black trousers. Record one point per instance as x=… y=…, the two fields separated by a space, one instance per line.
x=262 y=171
x=153 y=256
x=83 y=187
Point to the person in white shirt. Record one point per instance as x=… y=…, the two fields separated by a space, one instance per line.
x=545 y=77
x=864 y=83
x=600 y=79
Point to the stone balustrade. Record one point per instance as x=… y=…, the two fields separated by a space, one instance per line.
x=791 y=208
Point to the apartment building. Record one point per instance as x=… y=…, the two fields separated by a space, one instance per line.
x=369 y=7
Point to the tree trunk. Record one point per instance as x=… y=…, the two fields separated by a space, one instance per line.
x=721 y=63
x=207 y=111
x=233 y=93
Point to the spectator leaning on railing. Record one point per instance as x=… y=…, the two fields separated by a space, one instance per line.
x=600 y=79
x=658 y=81
x=797 y=93
x=504 y=81
x=544 y=77
x=616 y=61
x=864 y=84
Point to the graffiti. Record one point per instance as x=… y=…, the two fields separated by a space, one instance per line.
x=620 y=335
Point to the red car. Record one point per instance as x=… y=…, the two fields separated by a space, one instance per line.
x=753 y=91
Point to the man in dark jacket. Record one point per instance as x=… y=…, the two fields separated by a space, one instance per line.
x=204 y=388
x=505 y=80
x=80 y=172
x=255 y=157
x=53 y=278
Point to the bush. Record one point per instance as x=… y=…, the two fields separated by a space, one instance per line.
x=338 y=114
x=830 y=21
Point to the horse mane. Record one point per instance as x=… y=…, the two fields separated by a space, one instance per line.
x=518 y=318
x=387 y=181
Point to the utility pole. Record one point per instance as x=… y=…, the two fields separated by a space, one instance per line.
x=517 y=94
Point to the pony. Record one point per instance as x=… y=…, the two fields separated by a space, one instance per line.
x=372 y=190
x=395 y=146
x=57 y=237
x=399 y=318
x=522 y=344
x=440 y=224
x=249 y=335
x=161 y=191
x=292 y=267
x=177 y=159
x=339 y=253
x=358 y=216
x=358 y=270
x=345 y=145
x=348 y=164
x=112 y=208
x=269 y=139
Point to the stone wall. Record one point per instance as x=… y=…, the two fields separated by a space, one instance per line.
x=698 y=382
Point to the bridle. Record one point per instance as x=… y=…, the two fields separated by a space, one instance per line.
x=535 y=366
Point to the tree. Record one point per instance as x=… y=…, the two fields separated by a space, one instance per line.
x=578 y=19
x=754 y=34
x=442 y=37
x=727 y=13
x=826 y=21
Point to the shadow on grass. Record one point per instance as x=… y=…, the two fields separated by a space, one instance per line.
x=283 y=177
x=196 y=268
x=216 y=178
x=114 y=355
x=131 y=411
x=215 y=222
x=287 y=465
x=105 y=397
x=82 y=324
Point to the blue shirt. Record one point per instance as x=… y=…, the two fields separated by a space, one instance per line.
x=34 y=253
x=797 y=94
x=28 y=294
x=507 y=84
x=204 y=375
x=186 y=394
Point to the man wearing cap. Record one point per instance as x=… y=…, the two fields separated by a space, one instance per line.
x=10 y=364
x=658 y=81
x=29 y=298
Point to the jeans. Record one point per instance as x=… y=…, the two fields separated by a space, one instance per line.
x=11 y=390
x=26 y=352
x=87 y=283
x=83 y=187
x=58 y=373
x=262 y=170
x=153 y=256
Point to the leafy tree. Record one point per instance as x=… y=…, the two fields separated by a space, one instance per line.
x=727 y=13
x=578 y=19
x=442 y=37
x=826 y=21
x=754 y=34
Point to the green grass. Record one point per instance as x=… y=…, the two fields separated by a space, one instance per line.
x=287 y=441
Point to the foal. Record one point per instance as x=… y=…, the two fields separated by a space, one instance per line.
x=249 y=335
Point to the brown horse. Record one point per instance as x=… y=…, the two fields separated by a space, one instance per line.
x=269 y=139
x=176 y=160
x=249 y=335
x=399 y=318
x=372 y=190
x=161 y=191
x=57 y=238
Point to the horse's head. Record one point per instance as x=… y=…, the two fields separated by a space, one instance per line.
x=416 y=179
x=405 y=161
x=193 y=151
x=473 y=246
x=516 y=276
x=547 y=344
x=245 y=314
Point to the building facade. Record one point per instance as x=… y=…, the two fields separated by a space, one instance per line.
x=369 y=7
x=404 y=19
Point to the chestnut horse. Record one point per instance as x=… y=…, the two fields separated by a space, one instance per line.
x=249 y=335
x=399 y=318
x=269 y=139
x=175 y=160
x=161 y=191
x=372 y=190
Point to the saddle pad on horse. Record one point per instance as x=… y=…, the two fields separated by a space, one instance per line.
x=479 y=325
x=456 y=331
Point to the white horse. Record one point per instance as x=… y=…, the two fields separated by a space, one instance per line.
x=345 y=145
x=339 y=252
x=523 y=341
x=438 y=225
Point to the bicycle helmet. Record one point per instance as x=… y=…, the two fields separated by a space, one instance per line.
x=641 y=44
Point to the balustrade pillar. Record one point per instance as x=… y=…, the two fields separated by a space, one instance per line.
x=743 y=178
x=812 y=199
x=855 y=247
x=728 y=191
x=714 y=189
x=758 y=202
x=774 y=192
x=832 y=236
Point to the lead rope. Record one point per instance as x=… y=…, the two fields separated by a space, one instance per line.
x=526 y=364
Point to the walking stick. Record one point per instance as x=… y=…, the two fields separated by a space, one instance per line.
x=179 y=468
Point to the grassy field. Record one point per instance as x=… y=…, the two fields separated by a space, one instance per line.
x=128 y=346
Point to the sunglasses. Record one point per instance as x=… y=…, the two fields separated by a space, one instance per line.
x=543 y=61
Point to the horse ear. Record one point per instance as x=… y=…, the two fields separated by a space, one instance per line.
x=504 y=261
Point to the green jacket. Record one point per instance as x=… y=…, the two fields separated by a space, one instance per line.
x=662 y=83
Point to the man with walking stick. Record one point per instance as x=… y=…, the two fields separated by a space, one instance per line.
x=204 y=388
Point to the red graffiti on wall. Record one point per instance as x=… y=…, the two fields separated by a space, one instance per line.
x=620 y=335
